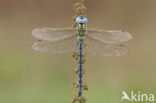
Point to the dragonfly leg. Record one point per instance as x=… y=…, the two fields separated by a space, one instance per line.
x=75 y=24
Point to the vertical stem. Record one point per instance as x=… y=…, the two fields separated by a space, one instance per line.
x=79 y=7
x=79 y=57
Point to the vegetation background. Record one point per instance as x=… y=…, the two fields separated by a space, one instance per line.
x=27 y=76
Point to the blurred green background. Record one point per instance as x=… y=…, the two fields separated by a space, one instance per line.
x=27 y=76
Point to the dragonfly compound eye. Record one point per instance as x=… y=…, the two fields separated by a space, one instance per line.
x=81 y=19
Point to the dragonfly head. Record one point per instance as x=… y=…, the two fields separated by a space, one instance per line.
x=81 y=20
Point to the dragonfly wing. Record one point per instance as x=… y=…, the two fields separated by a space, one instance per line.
x=104 y=49
x=111 y=37
x=62 y=46
x=53 y=34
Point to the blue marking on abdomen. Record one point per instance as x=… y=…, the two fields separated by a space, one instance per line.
x=80 y=72
x=80 y=42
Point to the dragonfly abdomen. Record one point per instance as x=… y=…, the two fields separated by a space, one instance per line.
x=80 y=67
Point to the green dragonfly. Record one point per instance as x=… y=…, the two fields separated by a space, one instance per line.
x=97 y=41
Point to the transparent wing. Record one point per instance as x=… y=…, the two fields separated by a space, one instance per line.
x=53 y=34
x=62 y=46
x=104 y=49
x=111 y=37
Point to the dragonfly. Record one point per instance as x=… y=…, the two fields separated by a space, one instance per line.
x=96 y=41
